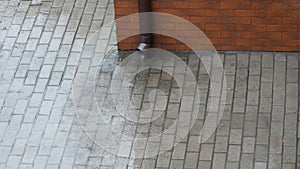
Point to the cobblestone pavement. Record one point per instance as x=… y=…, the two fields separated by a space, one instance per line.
x=49 y=51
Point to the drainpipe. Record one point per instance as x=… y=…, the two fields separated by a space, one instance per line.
x=145 y=25
x=36 y=3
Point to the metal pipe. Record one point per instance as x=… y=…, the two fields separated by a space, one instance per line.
x=36 y=2
x=145 y=25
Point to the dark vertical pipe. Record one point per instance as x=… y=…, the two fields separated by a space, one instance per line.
x=145 y=25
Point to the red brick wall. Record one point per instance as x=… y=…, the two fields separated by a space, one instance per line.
x=263 y=25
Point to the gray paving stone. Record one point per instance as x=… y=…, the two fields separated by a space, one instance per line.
x=164 y=160
x=31 y=77
x=289 y=155
x=45 y=71
x=191 y=160
x=67 y=162
x=242 y=61
x=264 y=121
x=221 y=144
x=237 y=121
x=292 y=76
x=45 y=147
x=176 y=164
x=292 y=61
x=55 y=44
x=45 y=48
x=274 y=161
x=248 y=145
x=40 y=123
x=253 y=98
x=206 y=152
x=29 y=155
x=4 y=153
x=239 y=105
x=253 y=83
x=260 y=165
x=35 y=138
x=290 y=138
x=13 y=161
x=267 y=75
x=262 y=136
x=235 y=136
x=219 y=161
x=247 y=161
x=55 y=156
x=280 y=57
x=40 y=162
x=265 y=105
x=261 y=153
x=36 y=100
x=45 y=37
x=179 y=151
x=234 y=153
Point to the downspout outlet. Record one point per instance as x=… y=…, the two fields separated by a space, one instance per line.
x=145 y=25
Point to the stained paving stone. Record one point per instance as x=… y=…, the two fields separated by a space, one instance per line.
x=51 y=52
